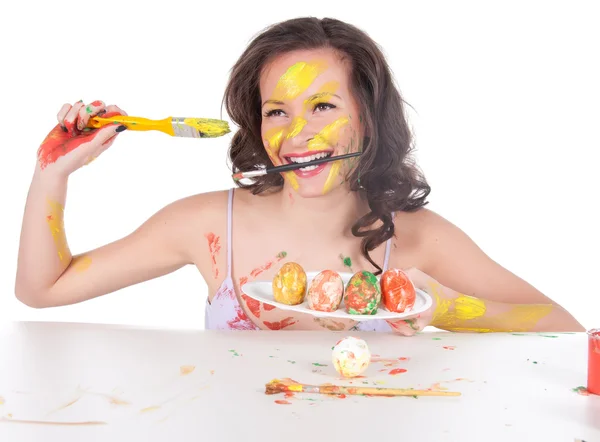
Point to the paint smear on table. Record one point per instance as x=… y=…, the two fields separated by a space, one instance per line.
x=214 y=247
x=62 y=407
x=1 y=400
x=449 y=347
x=186 y=369
x=316 y=364
x=234 y=353
x=437 y=339
x=397 y=371
x=581 y=390
x=150 y=409
x=283 y=402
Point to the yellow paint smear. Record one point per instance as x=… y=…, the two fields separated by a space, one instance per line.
x=186 y=369
x=208 y=127
x=274 y=138
x=149 y=409
x=55 y=220
x=297 y=79
x=329 y=135
x=467 y=307
x=291 y=177
x=81 y=263
x=1 y=400
x=333 y=174
x=296 y=127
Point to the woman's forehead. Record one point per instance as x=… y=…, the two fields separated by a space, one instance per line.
x=291 y=74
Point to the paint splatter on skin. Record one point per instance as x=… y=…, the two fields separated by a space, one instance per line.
x=81 y=263
x=55 y=220
x=397 y=371
x=330 y=324
x=449 y=347
x=581 y=390
x=280 y=325
x=291 y=198
x=257 y=271
x=297 y=79
x=214 y=247
x=252 y=304
x=186 y=369
x=347 y=261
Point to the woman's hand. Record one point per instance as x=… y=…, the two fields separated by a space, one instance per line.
x=70 y=145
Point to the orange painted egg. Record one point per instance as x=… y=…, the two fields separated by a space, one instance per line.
x=398 y=291
x=325 y=291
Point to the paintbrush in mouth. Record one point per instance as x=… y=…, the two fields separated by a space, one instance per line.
x=289 y=385
x=174 y=126
x=292 y=166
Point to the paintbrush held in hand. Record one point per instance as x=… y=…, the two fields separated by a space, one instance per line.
x=174 y=126
x=292 y=166
x=289 y=385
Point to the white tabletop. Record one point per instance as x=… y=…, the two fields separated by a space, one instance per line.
x=129 y=380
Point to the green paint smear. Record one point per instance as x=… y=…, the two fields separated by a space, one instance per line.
x=316 y=364
x=535 y=362
x=235 y=353
x=437 y=339
x=549 y=336
x=281 y=255
x=518 y=334
x=116 y=122
x=347 y=261
x=579 y=389
x=88 y=109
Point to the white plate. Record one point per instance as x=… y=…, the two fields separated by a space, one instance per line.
x=263 y=291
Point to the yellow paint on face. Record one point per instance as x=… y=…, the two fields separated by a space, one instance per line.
x=291 y=177
x=296 y=127
x=274 y=138
x=329 y=135
x=297 y=79
x=333 y=174
x=81 y=263
x=55 y=220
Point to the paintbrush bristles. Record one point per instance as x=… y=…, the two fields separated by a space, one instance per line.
x=275 y=388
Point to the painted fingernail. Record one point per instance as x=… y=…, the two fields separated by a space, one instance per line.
x=102 y=112
x=64 y=128
x=121 y=128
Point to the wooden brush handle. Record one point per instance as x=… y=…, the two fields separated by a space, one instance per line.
x=375 y=391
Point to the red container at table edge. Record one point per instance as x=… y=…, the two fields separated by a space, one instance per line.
x=593 y=384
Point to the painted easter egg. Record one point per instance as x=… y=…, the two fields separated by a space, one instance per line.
x=362 y=295
x=325 y=291
x=351 y=356
x=397 y=290
x=289 y=284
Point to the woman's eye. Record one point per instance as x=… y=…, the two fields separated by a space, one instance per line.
x=324 y=106
x=275 y=113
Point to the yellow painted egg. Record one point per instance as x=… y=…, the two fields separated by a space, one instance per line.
x=289 y=284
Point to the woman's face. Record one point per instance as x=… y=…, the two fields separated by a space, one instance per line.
x=308 y=112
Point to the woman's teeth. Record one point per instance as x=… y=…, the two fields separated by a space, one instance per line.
x=308 y=158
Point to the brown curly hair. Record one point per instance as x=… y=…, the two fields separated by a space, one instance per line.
x=385 y=174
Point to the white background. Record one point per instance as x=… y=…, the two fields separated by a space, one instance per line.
x=506 y=99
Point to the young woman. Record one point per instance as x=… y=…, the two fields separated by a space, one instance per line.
x=303 y=89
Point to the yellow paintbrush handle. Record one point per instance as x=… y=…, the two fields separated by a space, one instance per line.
x=134 y=123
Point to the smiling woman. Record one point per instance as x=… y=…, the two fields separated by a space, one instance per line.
x=303 y=90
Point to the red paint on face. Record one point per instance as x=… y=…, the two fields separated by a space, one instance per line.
x=252 y=304
x=283 y=402
x=214 y=247
x=279 y=325
x=397 y=371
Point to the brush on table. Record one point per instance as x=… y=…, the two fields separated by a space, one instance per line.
x=174 y=126
x=288 y=385
x=292 y=166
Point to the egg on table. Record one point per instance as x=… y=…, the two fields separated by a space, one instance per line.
x=325 y=291
x=351 y=356
x=362 y=295
x=397 y=290
x=289 y=284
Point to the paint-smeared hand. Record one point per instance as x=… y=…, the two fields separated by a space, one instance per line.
x=70 y=145
x=409 y=327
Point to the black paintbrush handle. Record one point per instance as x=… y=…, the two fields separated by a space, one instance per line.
x=295 y=166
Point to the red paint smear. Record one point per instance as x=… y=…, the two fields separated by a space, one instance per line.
x=268 y=307
x=396 y=371
x=257 y=271
x=397 y=290
x=241 y=321
x=59 y=143
x=290 y=394
x=291 y=198
x=252 y=304
x=403 y=359
x=341 y=396
x=282 y=402
x=213 y=248
x=383 y=369
x=279 y=325
x=449 y=347
x=96 y=103
x=243 y=280
x=49 y=218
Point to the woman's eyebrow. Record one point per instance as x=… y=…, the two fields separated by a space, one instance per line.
x=277 y=102
x=321 y=95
